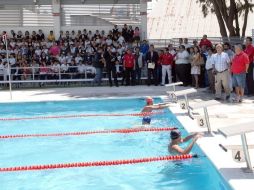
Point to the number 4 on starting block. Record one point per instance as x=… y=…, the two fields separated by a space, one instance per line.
x=238 y=155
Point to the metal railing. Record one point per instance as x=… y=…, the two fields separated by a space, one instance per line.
x=46 y=73
x=43 y=75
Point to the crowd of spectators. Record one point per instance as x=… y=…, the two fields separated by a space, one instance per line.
x=121 y=53
x=70 y=55
x=220 y=67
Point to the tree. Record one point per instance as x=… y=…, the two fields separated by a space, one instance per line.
x=228 y=13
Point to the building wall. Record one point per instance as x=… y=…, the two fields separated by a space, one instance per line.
x=183 y=18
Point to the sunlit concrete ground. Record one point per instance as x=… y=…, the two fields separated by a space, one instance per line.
x=222 y=115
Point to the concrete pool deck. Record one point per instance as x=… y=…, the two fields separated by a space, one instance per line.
x=221 y=115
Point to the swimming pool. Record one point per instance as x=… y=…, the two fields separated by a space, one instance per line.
x=196 y=173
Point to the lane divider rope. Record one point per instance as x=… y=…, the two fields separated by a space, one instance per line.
x=133 y=130
x=96 y=163
x=80 y=115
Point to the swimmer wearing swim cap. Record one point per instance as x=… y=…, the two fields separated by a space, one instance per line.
x=177 y=139
x=150 y=106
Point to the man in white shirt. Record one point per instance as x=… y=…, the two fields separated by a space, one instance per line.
x=209 y=70
x=73 y=49
x=109 y=41
x=45 y=50
x=38 y=51
x=12 y=60
x=221 y=65
x=78 y=58
x=62 y=58
x=64 y=70
x=89 y=49
x=231 y=54
x=186 y=43
x=183 y=66
x=90 y=70
x=56 y=67
x=171 y=49
x=68 y=58
x=120 y=39
x=81 y=70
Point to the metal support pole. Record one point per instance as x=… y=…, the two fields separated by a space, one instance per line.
x=9 y=68
x=246 y=152
x=207 y=120
x=59 y=73
x=33 y=71
x=174 y=88
x=187 y=103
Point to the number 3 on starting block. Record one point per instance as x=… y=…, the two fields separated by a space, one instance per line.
x=201 y=121
x=238 y=155
x=182 y=105
x=172 y=96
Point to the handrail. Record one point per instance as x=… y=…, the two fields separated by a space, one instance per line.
x=35 y=76
x=36 y=71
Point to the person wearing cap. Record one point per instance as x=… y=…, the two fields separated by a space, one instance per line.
x=176 y=139
x=150 y=106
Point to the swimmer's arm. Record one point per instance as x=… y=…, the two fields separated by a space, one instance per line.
x=184 y=151
x=154 y=107
x=189 y=137
x=159 y=106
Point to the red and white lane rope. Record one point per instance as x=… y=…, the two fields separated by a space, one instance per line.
x=95 y=164
x=133 y=130
x=80 y=116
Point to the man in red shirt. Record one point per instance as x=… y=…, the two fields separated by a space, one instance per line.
x=205 y=42
x=249 y=76
x=166 y=62
x=128 y=65
x=240 y=64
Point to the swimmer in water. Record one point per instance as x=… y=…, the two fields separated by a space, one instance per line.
x=149 y=108
x=145 y=122
x=176 y=139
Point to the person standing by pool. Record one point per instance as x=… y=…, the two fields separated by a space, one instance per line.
x=183 y=66
x=150 y=106
x=249 y=75
x=99 y=64
x=129 y=65
x=209 y=70
x=176 y=139
x=240 y=65
x=167 y=62
x=152 y=58
x=221 y=65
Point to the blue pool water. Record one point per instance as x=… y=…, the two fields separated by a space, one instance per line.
x=192 y=174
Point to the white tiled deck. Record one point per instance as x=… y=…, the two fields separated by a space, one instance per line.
x=221 y=115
